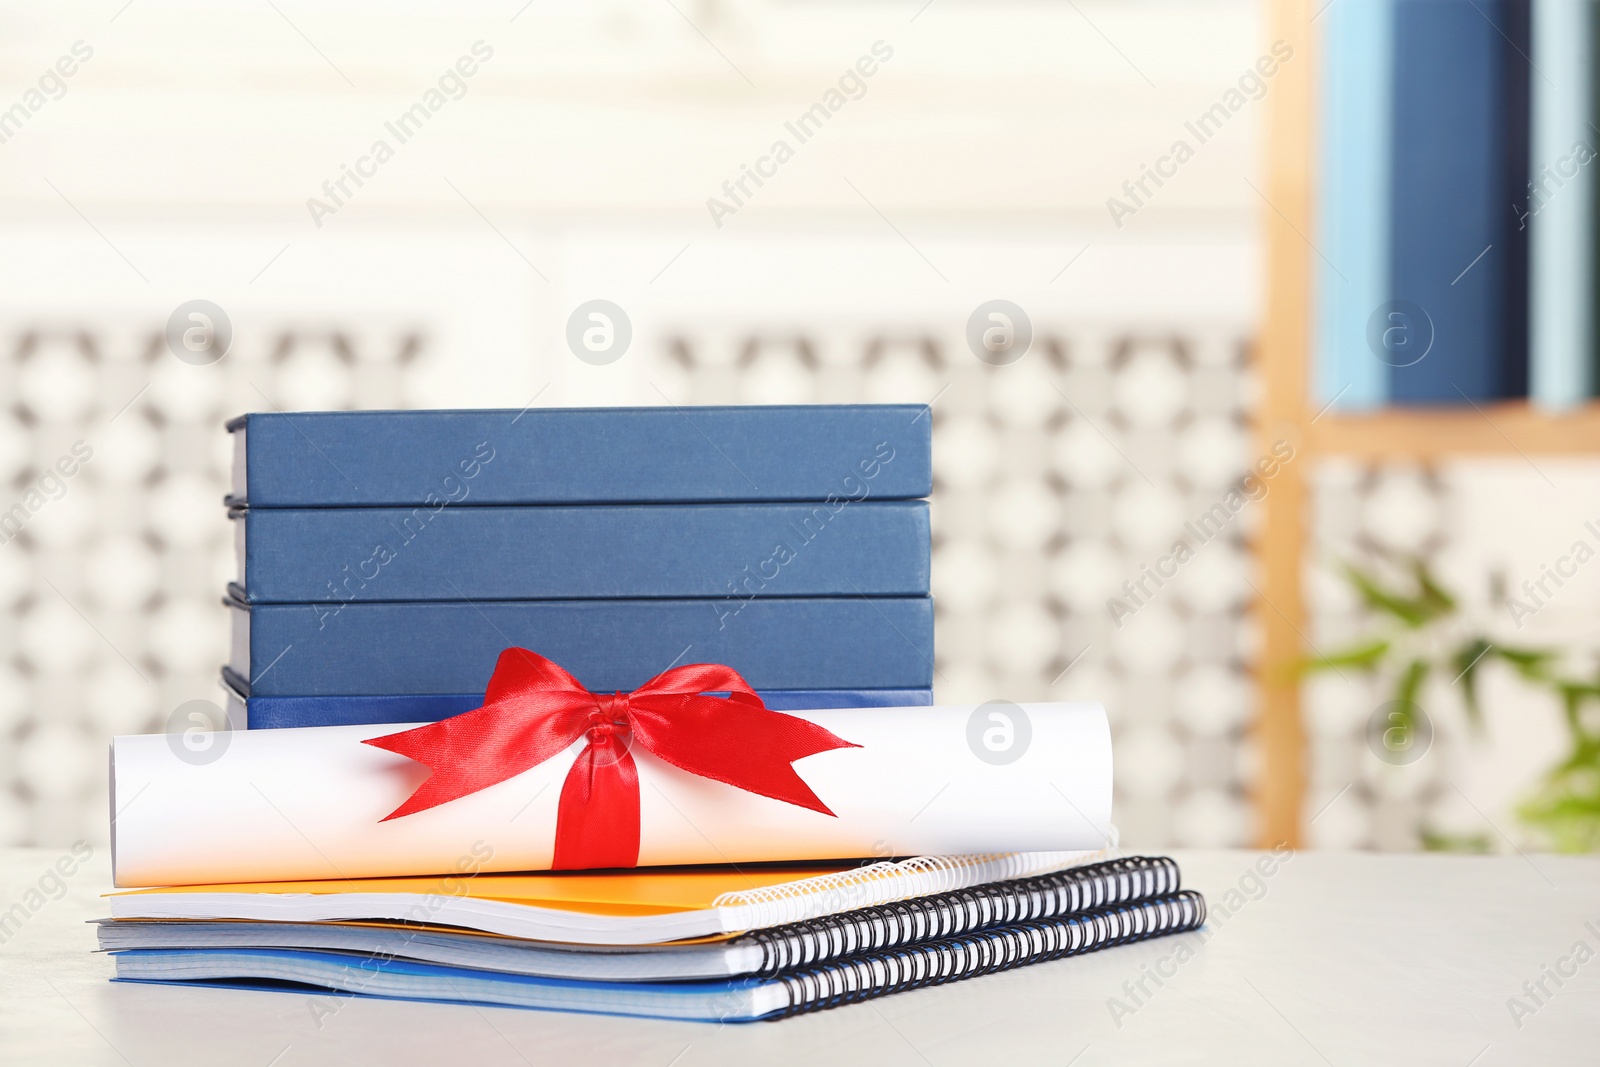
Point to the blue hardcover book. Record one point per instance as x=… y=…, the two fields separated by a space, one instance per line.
x=1460 y=164
x=1559 y=206
x=339 y=555
x=429 y=647
x=582 y=456
x=272 y=713
x=1352 y=196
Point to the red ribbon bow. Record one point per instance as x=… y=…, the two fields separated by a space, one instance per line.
x=533 y=710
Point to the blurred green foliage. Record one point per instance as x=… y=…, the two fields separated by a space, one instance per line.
x=1420 y=630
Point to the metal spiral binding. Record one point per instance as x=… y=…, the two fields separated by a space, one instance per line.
x=879 y=883
x=987 y=952
x=945 y=915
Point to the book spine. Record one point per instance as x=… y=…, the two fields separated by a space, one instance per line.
x=287 y=712
x=1460 y=156
x=1514 y=113
x=1593 y=294
x=1352 y=283
x=987 y=952
x=609 y=645
x=904 y=922
x=732 y=552
x=1558 y=208
x=588 y=456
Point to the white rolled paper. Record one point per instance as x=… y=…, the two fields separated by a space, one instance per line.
x=281 y=805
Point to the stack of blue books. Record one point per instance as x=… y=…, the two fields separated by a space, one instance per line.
x=385 y=558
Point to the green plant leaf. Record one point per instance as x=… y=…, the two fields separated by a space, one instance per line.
x=1532 y=663
x=1434 y=595
x=1412 y=611
x=1435 y=841
x=1403 y=708
x=1411 y=681
x=1364 y=657
x=1466 y=662
x=1566 y=806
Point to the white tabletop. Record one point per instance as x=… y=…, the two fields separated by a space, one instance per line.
x=1332 y=959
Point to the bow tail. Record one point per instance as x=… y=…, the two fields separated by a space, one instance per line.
x=597 y=821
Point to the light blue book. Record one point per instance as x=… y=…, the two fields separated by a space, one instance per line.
x=1352 y=197
x=1559 y=207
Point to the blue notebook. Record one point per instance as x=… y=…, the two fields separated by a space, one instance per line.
x=550 y=553
x=283 y=712
x=582 y=456
x=1460 y=163
x=1352 y=196
x=1558 y=206
x=744 y=999
x=447 y=647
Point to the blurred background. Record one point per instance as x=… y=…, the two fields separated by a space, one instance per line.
x=996 y=152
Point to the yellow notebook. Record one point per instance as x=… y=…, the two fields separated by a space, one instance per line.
x=616 y=908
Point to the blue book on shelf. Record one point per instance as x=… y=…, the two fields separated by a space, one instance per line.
x=339 y=555
x=272 y=713
x=427 y=647
x=582 y=456
x=1460 y=161
x=1352 y=197
x=1558 y=206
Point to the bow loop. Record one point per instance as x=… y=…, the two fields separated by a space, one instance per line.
x=533 y=710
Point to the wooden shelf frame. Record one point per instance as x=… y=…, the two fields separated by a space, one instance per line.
x=1279 y=732
x=1489 y=429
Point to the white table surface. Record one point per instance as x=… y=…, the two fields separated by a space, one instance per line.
x=1339 y=958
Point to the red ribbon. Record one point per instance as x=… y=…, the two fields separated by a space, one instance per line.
x=533 y=710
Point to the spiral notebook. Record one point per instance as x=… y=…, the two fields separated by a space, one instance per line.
x=617 y=908
x=791 y=992
x=764 y=952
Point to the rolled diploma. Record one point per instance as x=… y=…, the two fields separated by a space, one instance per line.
x=280 y=805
